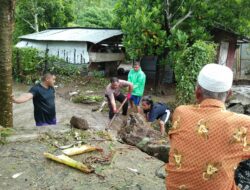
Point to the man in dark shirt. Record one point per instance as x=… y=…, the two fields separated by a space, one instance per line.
x=155 y=111
x=43 y=95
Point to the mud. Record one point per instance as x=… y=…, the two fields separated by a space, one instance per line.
x=129 y=168
x=40 y=173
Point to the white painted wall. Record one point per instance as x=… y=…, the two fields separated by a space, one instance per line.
x=72 y=52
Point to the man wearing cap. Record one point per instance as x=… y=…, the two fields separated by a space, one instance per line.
x=207 y=141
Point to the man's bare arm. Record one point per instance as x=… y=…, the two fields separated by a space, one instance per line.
x=23 y=98
x=130 y=88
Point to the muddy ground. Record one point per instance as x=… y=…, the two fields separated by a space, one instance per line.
x=119 y=167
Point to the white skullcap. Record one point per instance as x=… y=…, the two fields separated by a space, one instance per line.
x=215 y=78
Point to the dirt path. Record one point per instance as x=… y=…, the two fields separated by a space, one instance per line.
x=128 y=169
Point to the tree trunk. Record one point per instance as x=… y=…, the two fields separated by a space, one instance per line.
x=36 y=23
x=35 y=15
x=6 y=28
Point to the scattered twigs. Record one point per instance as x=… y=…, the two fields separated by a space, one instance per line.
x=104 y=159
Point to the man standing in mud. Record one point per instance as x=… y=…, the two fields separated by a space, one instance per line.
x=113 y=93
x=43 y=95
x=207 y=141
x=137 y=77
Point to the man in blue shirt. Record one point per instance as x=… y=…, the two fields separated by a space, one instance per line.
x=154 y=111
x=43 y=95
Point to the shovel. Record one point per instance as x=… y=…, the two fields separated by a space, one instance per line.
x=116 y=114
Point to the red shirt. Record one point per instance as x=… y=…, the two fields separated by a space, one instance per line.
x=207 y=143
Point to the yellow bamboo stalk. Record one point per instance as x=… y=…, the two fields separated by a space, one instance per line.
x=79 y=150
x=69 y=162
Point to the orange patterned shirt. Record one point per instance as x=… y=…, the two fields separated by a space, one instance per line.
x=207 y=143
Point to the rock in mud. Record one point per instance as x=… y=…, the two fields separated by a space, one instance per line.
x=137 y=132
x=79 y=123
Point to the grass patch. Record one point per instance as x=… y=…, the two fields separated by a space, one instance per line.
x=4 y=133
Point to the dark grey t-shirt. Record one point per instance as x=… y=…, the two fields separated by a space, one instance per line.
x=157 y=110
x=44 y=105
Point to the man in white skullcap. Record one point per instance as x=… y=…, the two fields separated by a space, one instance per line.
x=207 y=141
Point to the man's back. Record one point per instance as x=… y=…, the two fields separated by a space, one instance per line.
x=138 y=78
x=158 y=109
x=207 y=143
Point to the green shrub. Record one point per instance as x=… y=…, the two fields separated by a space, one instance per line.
x=4 y=133
x=28 y=64
x=25 y=61
x=188 y=66
x=60 y=67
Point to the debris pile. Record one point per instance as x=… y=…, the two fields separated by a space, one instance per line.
x=137 y=132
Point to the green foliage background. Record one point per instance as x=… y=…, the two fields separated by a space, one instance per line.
x=56 y=13
x=93 y=13
x=141 y=23
x=149 y=30
x=62 y=13
x=170 y=30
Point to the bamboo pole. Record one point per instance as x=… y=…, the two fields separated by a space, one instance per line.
x=69 y=162
x=79 y=150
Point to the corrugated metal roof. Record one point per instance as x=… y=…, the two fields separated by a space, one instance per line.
x=73 y=34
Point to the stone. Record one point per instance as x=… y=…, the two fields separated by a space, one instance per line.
x=79 y=123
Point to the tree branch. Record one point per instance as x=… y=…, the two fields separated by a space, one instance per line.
x=182 y=19
x=177 y=9
x=29 y=23
x=168 y=15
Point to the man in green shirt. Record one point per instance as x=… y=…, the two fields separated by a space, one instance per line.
x=137 y=77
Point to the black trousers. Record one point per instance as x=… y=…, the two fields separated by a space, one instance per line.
x=120 y=98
